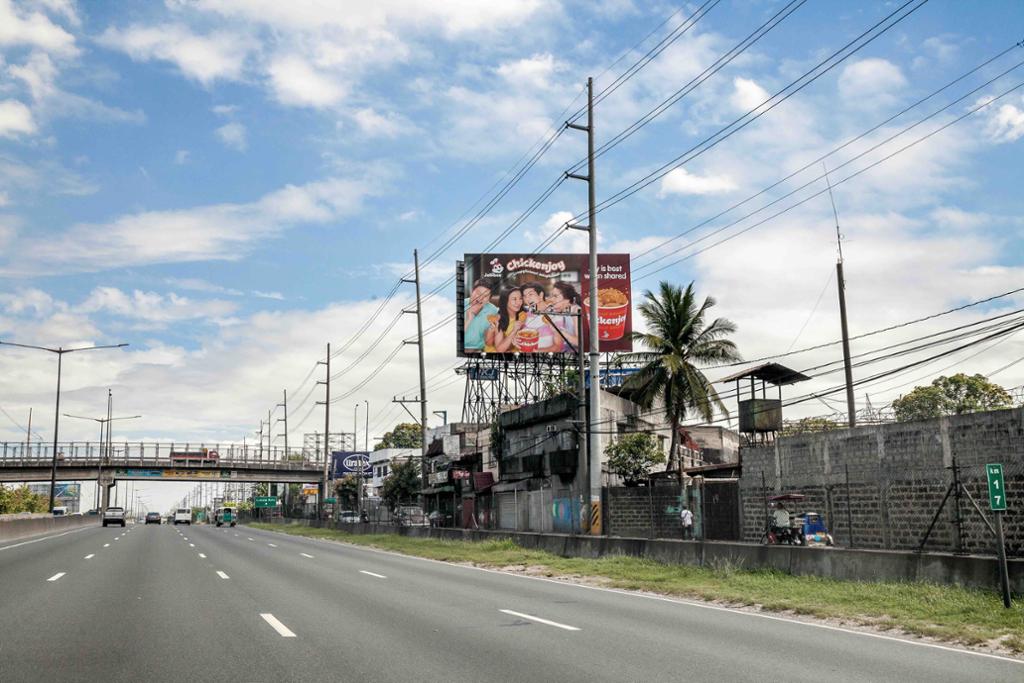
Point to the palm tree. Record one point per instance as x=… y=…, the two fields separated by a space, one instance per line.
x=678 y=340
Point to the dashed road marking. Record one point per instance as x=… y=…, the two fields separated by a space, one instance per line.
x=282 y=630
x=56 y=576
x=202 y=556
x=539 y=620
x=191 y=545
x=379 y=576
x=305 y=555
x=250 y=538
x=222 y=575
x=89 y=556
x=272 y=545
x=106 y=545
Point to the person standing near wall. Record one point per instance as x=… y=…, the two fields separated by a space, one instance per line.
x=686 y=518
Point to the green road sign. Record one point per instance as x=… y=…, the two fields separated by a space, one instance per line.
x=996 y=486
x=332 y=501
x=265 y=501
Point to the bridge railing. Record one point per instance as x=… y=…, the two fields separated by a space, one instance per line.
x=140 y=454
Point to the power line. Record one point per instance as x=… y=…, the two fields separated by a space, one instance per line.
x=853 y=175
x=833 y=151
x=809 y=77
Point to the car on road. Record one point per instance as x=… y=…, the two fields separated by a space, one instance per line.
x=114 y=515
x=411 y=515
x=183 y=516
x=60 y=511
x=153 y=518
x=348 y=517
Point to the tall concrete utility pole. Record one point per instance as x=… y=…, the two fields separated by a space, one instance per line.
x=423 y=370
x=851 y=409
x=284 y=419
x=28 y=434
x=327 y=432
x=594 y=408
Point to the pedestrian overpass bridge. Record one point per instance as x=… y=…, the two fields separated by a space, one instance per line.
x=82 y=461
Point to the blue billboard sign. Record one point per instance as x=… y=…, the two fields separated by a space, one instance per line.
x=350 y=462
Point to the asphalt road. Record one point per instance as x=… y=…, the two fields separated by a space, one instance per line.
x=164 y=603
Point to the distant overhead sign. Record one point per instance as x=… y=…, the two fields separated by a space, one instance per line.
x=265 y=501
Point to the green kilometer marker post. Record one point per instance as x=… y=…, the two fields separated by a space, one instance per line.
x=997 y=502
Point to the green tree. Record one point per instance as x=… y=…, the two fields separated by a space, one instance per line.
x=402 y=485
x=347 y=491
x=632 y=455
x=679 y=338
x=21 y=499
x=954 y=395
x=809 y=425
x=404 y=435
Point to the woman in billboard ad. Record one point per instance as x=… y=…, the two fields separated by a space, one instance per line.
x=531 y=304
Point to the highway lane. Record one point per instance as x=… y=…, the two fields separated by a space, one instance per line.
x=656 y=637
x=155 y=606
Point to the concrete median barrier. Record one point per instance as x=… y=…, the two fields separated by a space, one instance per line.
x=21 y=526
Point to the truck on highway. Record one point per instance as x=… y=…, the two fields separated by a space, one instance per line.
x=114 y=515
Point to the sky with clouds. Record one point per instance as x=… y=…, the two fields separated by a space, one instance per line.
x=228 y=186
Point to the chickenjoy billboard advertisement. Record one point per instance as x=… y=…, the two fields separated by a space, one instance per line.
x=515 y=303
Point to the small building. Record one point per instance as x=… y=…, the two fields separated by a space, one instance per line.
x=382 y=461
x=459 y=467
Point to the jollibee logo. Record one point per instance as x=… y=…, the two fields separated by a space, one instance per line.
x=496 y=266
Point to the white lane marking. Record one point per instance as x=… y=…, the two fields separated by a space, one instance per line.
x=191 y=545
x=185 y=537
x=249 y=537
x=117 y=538
x=272 y=545
x=236 y=535
x=222 y=575
x=379 y=576
x=202 y=556
x=282 y=630
x=89 y=556
x=106 y=545
x=539 y=620
x=305 y=555
x=684 y=603
x=56 y=576
x=46 y=538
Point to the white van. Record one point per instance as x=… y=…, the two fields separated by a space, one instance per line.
x=183 y=516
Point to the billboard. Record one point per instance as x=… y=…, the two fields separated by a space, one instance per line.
x=349 y=462
x=518 y=303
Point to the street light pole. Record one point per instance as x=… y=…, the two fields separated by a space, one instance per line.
x=104 y=422
x=60 y=351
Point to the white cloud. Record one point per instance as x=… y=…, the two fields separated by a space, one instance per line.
x=747 y=94
x=681 y=181
x=151 y=307
x=199 y=285
x=389 y=125
x=296 y=82
x=19 y=26
x=181 y=157
x=233 y=136
x=225 y=109
x=214 y=232
x=1005 y=123
x=276 y=296
x=871 y=83
x=219 y=55
x=5 y=200
x=15 y=119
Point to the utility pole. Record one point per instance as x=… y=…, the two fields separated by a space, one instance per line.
x=28 y=434
x=284 y=404
x=594 y=412
x=284 y=419
x=261 y=440
x=851 y=409
x=423 y=370
x=327 y=431
x=270 y=447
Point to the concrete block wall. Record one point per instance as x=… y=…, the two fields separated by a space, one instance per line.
x=889 y=480
x=629 y=511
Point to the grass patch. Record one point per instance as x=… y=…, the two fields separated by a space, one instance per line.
x=958 y=615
